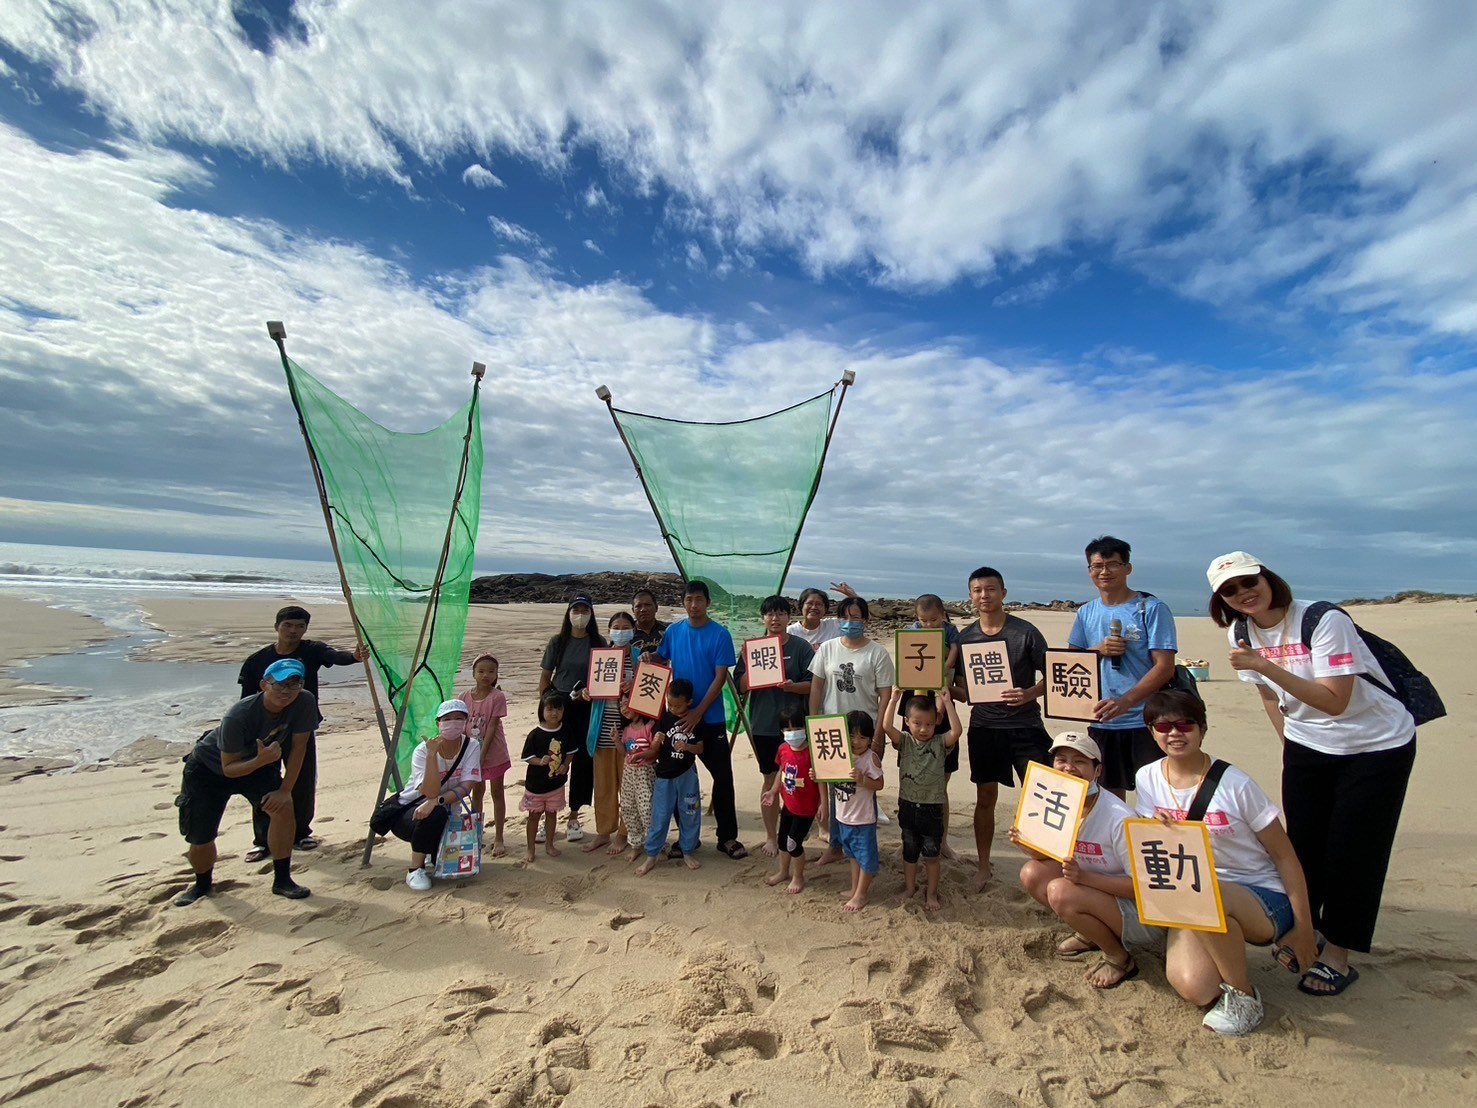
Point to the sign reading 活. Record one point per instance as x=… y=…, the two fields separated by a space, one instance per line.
x=649 y=689
x=986 y=671
x=921 y=656
x=764 y=663
x=607 y=667
x=1050 y=811
x=1073 y=684
x=830 y=749
x=1174 y=882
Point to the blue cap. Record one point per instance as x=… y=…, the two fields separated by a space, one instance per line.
x=284 y=668
x=582 y=599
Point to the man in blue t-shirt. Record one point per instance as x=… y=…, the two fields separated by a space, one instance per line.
x=702 y=651
x=1135 y=663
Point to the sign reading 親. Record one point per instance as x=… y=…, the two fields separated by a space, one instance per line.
x=1174 y=882
x=1050 y=811
x=986 y=671
x=649 y=689
x=607 y=667
x=764 y=663
x=920 y=658
x=1073 y=684
x=830 y=749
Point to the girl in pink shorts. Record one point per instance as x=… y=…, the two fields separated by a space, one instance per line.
x=548 y=771
x=487 y=706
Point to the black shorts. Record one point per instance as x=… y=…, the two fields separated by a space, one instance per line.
x=792 y=833
x=766 y=749
x=204 y=794
x=997 y=752
x=1125 y=751
x=922 y=826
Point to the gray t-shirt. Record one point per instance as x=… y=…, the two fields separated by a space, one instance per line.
x=572 y=670
x=767 y=705
x=247 y=723
x=1025 y=649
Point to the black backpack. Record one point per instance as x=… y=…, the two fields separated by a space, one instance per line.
x=1183 y=680
x=1408 y=685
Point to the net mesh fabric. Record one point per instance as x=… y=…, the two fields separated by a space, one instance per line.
x=390 y=495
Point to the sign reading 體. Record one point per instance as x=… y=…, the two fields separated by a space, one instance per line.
x=607 y=667
x=764 y=663
x=986 y=671
x=1174 y=882
x=649 y=689
x=1050 y=811
x=830 y=748
x=1073 y=684
x=920 y=658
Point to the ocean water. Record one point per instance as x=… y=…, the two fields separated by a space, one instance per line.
x=123 y=700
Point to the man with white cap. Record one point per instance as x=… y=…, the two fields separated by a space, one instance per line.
x=435 y=787
x=1092 y=893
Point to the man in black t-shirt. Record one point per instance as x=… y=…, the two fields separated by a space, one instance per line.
x=649 y=629
x=292 y=625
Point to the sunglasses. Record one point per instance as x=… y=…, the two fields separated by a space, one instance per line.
x=1239 y=585
x=292 y=684
x=1180 y=726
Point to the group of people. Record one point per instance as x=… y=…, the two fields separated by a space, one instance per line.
x=1310 y=890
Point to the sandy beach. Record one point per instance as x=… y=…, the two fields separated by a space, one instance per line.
x=572 y=982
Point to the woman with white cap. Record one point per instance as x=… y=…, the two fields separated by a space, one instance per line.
x=1348 y=746
x=436 y=786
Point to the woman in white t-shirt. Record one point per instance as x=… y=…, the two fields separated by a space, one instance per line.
x=815 y=624
x=1262 y=888
x=1347 y=752
x=438 y=786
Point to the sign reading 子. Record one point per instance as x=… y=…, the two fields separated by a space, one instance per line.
x=986 y=671
x=607 y=667
x=764 y=663
x=649 y=689
x=1073 y=684
x=1173 y=869
x=920 y=658
x=830 y=748
x=1050 y=811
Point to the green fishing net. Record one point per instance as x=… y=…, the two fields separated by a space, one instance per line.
x=390 y=497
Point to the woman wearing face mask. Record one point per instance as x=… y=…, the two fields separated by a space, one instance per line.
x=440 y=783
x=816 y=625
x=565 y=667
x=606 y=723
x=849 y=674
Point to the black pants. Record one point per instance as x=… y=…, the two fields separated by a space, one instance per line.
x=576 y=731
x=423 y=835
x=1342 y=811
x=718 y=761
x=304 y=793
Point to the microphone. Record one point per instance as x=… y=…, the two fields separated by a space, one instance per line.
x=1115 y=629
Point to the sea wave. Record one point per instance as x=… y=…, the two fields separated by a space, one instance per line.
x=56 y=574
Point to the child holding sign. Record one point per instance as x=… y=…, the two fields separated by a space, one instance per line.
x=675 y=790
x=795 y=790
x=856 y=810
x=1262 y=888
x=922 y=785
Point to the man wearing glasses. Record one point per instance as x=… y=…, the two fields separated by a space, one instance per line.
x=1133 y=634
x=245 y=756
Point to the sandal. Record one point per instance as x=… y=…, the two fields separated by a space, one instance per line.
x=307 y=842
x=1128 y=972
x=1073 y=953
x=734 y=849
x=257 y=854
x=1336 y=981
x=1285 y=958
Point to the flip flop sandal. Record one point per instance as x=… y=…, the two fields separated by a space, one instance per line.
x=1337 y=981
x=1285 y=958
x=258 y=854
x=1129 y=972
x=1073 y=955
x=734 y=849
x=307 y=842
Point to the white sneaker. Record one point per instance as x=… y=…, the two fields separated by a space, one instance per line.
x=574 y=833
x=1235 y=1013
x=419 y=880
x=538 y=836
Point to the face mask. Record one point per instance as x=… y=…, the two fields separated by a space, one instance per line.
x=1092 y=788
x=796 y=739
x=852 y=628
x=579 y=620
x=452 y=728
x=622 y=637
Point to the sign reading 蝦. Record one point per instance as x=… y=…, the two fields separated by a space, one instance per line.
x=764 y=663
x=830 y=748
x=986 y=671
x=1050 y=811
x=1073 y=684
x=1174 y=882
x=921 y=656
x=607 y=667
x=649 y=689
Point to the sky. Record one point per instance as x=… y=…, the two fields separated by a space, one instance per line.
x=1196 y=274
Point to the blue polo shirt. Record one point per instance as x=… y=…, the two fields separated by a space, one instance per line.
x=696 y=653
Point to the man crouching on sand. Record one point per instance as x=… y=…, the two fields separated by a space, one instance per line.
x=243 y=757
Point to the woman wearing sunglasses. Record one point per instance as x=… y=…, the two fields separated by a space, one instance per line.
x=1347 y=752
x=1262 y=888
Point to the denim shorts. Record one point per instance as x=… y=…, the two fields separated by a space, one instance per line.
x=859 y=843
x=1277 y=905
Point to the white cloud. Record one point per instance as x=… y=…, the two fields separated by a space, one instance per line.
x=595 y=197
x=923 y=143
x=480 y=177
x=144 y=401
x=593 y=247
x=512 y=232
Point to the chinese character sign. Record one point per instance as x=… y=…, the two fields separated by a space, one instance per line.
x=830 y=748
x=764 y=662
x=920 y=659
x=1073 y=685
x=1050 y=811
x=649 y=689
x=1174 y=881
x=607 y=667
x=986 y=671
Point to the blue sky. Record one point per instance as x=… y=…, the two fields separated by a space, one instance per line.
x=1194 y=273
